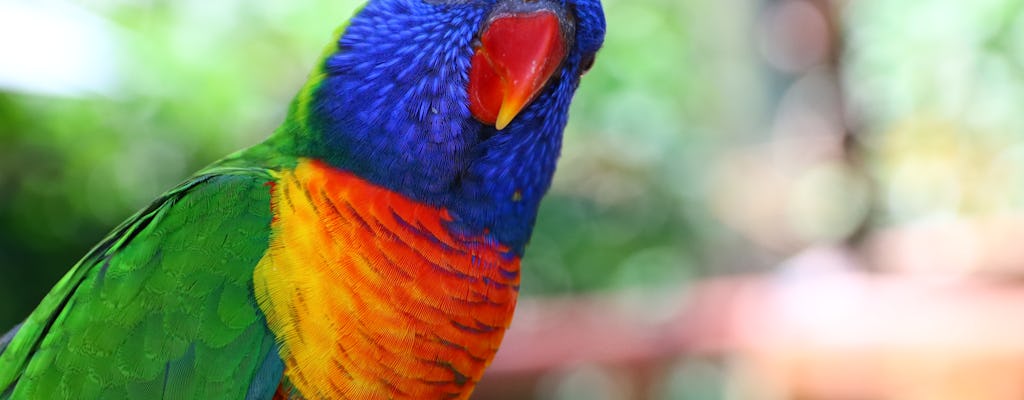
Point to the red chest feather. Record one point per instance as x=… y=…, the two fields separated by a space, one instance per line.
x=371 y=297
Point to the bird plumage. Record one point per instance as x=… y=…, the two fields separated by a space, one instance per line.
x=399 y=297
x=368 y=249
x=160 y=307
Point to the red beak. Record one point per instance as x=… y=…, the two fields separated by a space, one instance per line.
x=517 y=55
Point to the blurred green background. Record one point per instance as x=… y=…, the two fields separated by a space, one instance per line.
x=713 y=137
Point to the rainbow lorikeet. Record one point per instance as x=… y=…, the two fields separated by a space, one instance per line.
x=368 y=249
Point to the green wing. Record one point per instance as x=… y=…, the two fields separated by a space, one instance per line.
x=162 y=308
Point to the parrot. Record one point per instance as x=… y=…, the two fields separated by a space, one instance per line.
x=369 y=248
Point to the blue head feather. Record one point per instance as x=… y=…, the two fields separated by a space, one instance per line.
x=392 y=107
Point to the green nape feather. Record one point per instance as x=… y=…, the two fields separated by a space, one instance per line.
x=163 y=308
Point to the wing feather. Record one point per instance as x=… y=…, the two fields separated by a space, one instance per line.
x=161 y=308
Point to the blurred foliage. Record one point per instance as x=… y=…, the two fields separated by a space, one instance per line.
x=939 y=85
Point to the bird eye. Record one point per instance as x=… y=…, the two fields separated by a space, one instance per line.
x=587 y=63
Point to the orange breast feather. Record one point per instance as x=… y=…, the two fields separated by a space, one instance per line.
x=371 y=297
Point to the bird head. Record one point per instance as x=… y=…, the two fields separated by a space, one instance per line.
x=490 y=58
x=451 y=102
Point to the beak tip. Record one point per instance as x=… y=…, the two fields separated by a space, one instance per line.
x=510 y=108
x=500 y=125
